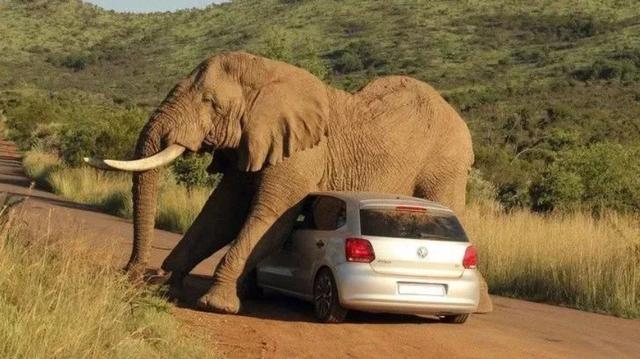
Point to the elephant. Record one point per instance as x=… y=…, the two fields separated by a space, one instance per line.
x=277 y=133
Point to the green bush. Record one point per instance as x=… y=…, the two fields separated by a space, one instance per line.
x=479 y=189
x=530 y=56
x=73 y=61
x=598 y=177
x=347 y=62
x=356 y=56
x=280 y=43
x=538 y=27
x=73 y=124
x=191 y=171
x=621 y=65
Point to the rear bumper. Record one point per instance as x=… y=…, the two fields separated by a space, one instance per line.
x=361 y=288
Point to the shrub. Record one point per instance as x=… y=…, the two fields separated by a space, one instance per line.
x=546 y=27
x=347 y=62
x=191 y=171
x=598 y=177
x=39 y=166
x=75 y=142
x=609 y=69
x=513 y=195
x=530 y=56
x=280 y=43
x=356 y=56
x=74 y=125
x=74 y=61
x=478 y=188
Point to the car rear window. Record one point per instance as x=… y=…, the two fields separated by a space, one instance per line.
x=411 y=222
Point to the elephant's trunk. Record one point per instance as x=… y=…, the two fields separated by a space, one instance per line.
x=145 y=196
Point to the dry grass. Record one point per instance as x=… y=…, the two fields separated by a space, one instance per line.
x=111 y=191
x=61 y=299
x=571 y=259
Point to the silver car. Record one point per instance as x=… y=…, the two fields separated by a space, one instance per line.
x=376 y=253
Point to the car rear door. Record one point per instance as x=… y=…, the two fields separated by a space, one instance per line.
x=322 y=216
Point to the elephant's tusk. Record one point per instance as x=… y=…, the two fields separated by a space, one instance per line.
x=97 y=163
x=161 y=158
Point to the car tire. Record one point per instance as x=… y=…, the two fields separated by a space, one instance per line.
x=326 y=302
x=455 y=319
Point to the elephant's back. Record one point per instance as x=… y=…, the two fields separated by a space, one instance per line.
x=402 y=96
x=390 y=130
x=404 y=106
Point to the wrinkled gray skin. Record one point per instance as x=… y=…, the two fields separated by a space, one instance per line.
x=277 y=133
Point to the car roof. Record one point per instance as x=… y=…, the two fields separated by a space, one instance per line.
x=371 y=198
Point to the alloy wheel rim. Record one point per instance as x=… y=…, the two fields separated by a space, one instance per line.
x=324 y=295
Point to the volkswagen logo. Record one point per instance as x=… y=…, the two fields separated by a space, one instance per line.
x=422 y=252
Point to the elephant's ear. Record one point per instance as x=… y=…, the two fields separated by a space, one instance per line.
x=286 y=116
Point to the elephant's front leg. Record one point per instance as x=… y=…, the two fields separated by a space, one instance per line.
x=218 y=223
x=269 y=221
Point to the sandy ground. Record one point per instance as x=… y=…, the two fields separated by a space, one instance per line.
x=279 y=327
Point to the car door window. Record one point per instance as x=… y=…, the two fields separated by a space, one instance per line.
x=322 y=213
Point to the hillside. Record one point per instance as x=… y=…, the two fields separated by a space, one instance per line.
x=549 y=89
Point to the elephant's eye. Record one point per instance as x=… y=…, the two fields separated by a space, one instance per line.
x=212 y=101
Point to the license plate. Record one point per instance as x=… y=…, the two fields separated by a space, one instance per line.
x=421 y=289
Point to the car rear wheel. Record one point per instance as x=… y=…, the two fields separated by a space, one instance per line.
x=455 y=319
x=325 y=298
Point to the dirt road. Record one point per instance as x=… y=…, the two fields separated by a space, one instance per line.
x=278 y=327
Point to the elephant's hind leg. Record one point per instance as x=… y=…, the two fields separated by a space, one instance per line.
x=452 y=193
x=446 y=186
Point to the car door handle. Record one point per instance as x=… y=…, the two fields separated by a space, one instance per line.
x=319 y=244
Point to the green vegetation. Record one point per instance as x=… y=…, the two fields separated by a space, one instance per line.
x=59 y=298
x=602 y=176
x=537 y=82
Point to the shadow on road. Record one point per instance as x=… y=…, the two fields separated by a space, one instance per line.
x=47 y=198
x=274 y=306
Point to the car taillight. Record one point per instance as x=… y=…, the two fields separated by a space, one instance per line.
x=358 y=250
x=470 y=260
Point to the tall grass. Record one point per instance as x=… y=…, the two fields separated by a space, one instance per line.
x=61 y=299
x=111 y=191
x=569 y=259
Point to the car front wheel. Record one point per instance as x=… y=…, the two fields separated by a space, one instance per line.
x=325 y=298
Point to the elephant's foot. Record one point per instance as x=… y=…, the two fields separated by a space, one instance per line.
x=220 y=299
x=135 y=272
x=485 y=305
